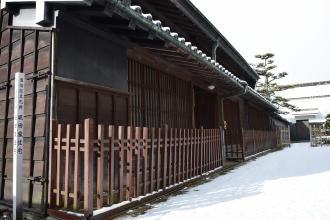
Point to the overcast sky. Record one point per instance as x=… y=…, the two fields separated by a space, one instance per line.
x=297 y=31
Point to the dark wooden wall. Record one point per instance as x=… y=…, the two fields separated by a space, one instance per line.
x=89 y=55
x=207 y=112
x=231 y=113
x=302 y=131
x=258 y=119
x=25 y=51
x=74 y=103
x=232 y=118
x=158 y=98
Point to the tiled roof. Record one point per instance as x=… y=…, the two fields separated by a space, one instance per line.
x=134 y=11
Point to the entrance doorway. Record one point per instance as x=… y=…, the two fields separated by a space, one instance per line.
x=207 y=113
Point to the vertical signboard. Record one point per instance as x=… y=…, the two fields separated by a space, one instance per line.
x=18 y=147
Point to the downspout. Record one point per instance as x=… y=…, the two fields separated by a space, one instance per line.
x=50 y=110
x=215 y=46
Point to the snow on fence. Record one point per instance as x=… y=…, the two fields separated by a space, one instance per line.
x=121 y=163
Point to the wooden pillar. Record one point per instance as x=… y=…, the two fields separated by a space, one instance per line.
x=88 y=168
x=222 y=130
x=193 y=118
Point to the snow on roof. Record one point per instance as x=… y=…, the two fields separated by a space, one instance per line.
x=307 y=112
x=309 y=91
x=318 y=120
x=135 y=11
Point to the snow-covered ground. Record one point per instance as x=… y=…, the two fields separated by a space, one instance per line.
x=290 y=184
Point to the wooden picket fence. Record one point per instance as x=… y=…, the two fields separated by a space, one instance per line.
x=233 y=144
x=283 y=137
x=119 y=163
x=256 y=141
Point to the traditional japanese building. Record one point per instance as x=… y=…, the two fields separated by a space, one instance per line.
x=313 y=101
x=164 y=93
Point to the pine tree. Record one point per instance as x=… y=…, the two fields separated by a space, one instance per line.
x=327 y=122
x=267 y=85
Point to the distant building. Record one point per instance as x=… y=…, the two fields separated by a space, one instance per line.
x=313 y=99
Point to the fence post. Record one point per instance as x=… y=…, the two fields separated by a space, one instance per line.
x=201 y=149
x=51 y=167
x=243 y=144
x=120 y=179
x=76 y=168
x=221 y=147
x=100 y=161
x=145 y=158
x=88 y=168
x=137 y=163
x=254 y=142
x=58 y=165
x=165 y=155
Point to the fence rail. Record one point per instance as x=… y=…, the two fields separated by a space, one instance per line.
x=283 y=136
x=95 y=166
x=241 y=143
x=233 y=143
x=256 y=141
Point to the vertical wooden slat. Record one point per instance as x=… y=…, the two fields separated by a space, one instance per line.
x=158 y=157
x=137 y=162
x=195 y=153
x=192 y=144
x=184 y=155
x=187 y=154
x=206 y=168
x=120 y=162
x=218 y=132
x=100 y=162
x=165 y=146
x=152 y=158
x=220 y=146
x=129 y=162
x=67 y=163
x=180 y=157
x=88 y=168
x=204 y=151
x=111 y=169
x=170 y=157
x=212 y=150
x=243 y=143
x=217 y=147
x=209 y=149
x=58 y=165
x=175 y=156
x=145 y=159
x=198 y=151
x=76 y=168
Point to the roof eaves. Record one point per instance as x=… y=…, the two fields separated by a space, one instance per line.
x=187 y=7
x=135 y=12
